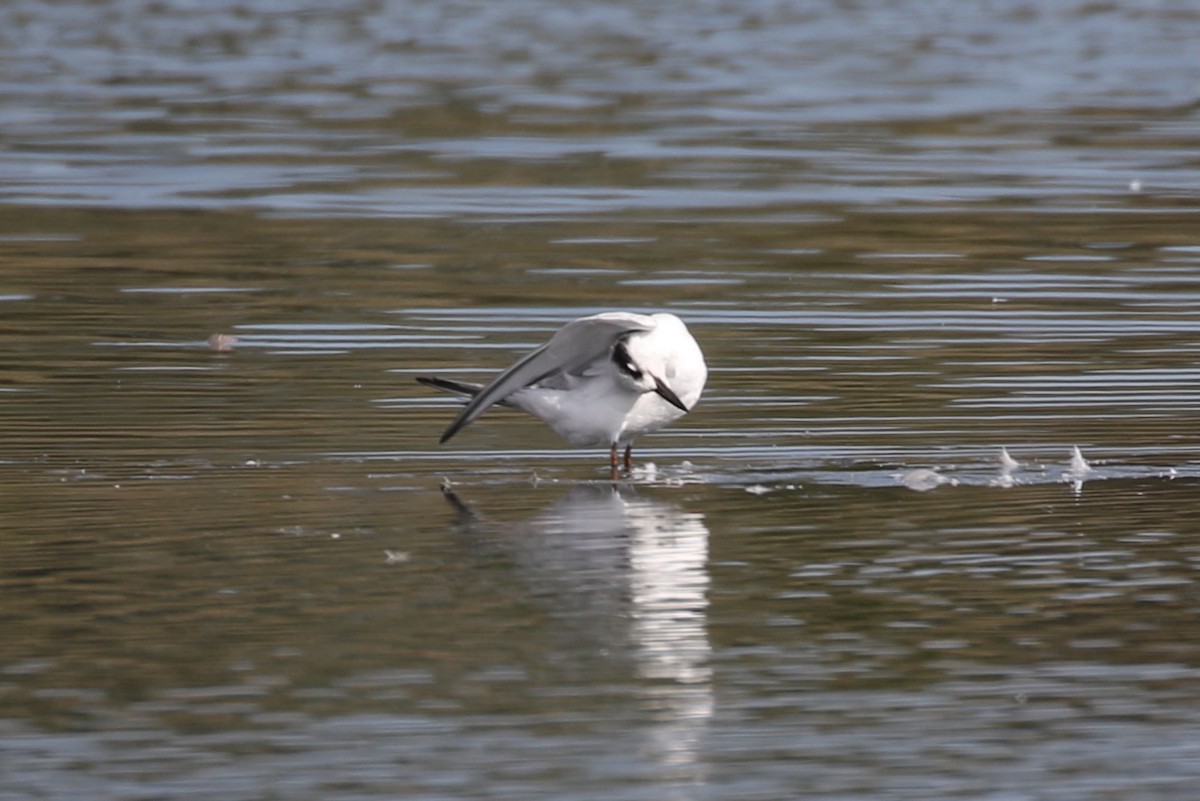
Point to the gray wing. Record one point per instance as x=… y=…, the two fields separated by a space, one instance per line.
x=575 y=346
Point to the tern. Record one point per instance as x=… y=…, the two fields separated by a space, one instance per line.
x=602 y=380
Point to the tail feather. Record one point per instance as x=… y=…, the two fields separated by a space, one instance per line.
x=457 y=387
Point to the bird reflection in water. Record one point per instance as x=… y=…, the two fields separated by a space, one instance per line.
x=607 y=554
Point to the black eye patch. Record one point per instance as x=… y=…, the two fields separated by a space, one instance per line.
x=620 y=357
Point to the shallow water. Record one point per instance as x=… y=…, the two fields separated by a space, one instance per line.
x=906 y=235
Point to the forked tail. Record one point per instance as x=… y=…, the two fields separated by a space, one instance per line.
x=457 y=387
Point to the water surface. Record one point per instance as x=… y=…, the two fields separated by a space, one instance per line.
x=906 y=235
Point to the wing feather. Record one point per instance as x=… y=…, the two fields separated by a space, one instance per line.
x=575 y=346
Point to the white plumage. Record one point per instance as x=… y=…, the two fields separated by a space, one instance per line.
x=602 y=380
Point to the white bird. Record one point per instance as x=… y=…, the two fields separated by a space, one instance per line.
x=602 y=380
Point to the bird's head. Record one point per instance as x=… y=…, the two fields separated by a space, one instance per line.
x=664 y=360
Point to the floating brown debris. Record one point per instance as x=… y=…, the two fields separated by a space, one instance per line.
x=222 y=343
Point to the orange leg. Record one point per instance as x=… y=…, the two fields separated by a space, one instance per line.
x=612 y=462
x=629 y=458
